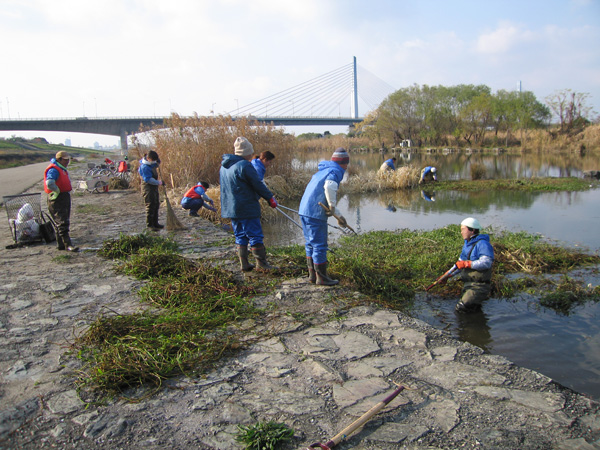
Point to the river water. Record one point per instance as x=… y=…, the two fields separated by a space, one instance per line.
x=565 y=348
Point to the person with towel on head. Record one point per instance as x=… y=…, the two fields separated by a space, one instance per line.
x=241 y=188
x=57 y=185
x=322 y=188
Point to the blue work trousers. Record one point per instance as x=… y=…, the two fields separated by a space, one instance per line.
x=247 y=231
x=193 y=204
x=315 y=235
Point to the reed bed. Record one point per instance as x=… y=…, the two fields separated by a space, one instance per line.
x=191 y=148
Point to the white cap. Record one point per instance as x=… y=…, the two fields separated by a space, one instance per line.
x=433 y=169
x=471 y=223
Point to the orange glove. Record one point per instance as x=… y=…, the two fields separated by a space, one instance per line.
x=463 y=264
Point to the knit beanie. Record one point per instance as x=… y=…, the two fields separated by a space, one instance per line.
x=243 y=147
x=341 y=156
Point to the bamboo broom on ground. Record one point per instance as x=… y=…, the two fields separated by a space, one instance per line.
x=173 y=222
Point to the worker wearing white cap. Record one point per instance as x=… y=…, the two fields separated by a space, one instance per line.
x=474 y=266
x=428 y=174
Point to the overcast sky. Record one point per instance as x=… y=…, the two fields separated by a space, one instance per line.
x=107 y=58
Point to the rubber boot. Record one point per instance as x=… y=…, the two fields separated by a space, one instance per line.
x=243 y=254
x=312 y=276
x=260 y=253
x=322 y=278
x=69 y=246
x=60 y=245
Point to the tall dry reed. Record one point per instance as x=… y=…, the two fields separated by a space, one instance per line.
x=191 y=148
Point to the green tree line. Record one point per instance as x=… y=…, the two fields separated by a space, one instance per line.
x=440 y=115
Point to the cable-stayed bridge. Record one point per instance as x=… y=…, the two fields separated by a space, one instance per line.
x=330 y=99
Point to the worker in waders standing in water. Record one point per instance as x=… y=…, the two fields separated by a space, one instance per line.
x=474 y=266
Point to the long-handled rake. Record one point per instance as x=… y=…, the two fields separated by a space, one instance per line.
x=340 y=220
x=441 y=278
x=343 y=230
x=358 y=422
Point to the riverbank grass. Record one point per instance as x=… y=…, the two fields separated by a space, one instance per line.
x=524 y=184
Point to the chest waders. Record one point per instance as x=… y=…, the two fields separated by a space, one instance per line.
x=476 y=288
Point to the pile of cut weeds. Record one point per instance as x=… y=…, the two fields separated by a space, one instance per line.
x=188 y=331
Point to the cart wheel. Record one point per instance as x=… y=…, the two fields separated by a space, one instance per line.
x=98 y=187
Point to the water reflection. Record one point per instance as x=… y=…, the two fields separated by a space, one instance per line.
x=457 y=164
x=474 y=328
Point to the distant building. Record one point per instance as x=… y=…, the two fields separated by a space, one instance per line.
x=68 y=142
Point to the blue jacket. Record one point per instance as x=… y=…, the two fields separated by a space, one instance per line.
x=260 y=168
x=148 y=170
x=315 y=191
x=390 y=162
x=240 y=189
x=480 y=245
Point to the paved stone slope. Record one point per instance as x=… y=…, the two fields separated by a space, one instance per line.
x=325 y=364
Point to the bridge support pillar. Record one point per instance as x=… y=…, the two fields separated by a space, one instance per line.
x=124 y=142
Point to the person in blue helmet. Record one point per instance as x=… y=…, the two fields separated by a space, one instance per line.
x=388 y=165
x=322 y=188
x=474 y=266
x=241 y=188
x=196 y=197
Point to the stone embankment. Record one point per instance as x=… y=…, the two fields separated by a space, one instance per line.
x=324 y=364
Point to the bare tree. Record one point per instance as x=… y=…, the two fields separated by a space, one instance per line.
x=570 y=108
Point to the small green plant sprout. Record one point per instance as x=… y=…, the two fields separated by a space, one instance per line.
x=62 y=258
x=264 y=435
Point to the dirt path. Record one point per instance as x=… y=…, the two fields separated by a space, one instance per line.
x=326 y=364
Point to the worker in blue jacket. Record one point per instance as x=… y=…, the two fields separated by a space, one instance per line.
x=148 y=170
x=196 y=197
x=241 y=188
x=388 y=165
x=322 y=188
x=428 y=174
x=261 y=163
x=474 y=266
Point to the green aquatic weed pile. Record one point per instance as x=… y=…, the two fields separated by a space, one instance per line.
x=391 y=267
x=144 y=349
x=126 y=245
x=524 y=184
x=264 y=435
x=189 y=330
x=569 y=293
